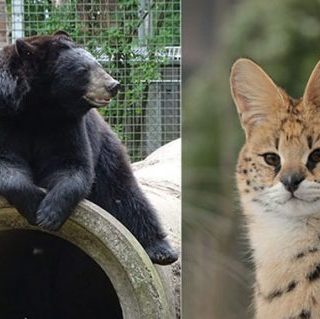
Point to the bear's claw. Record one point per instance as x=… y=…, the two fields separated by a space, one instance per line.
x=160 y=252
x=48 y=220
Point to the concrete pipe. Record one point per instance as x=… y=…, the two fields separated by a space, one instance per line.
x=144 y=291
x=136 y=282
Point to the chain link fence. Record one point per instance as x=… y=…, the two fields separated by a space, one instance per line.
x=137 y=41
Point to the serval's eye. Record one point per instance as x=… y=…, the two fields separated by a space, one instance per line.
x=314 y=157
x=272 y=159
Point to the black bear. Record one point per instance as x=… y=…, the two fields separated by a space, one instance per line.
x=52 y=137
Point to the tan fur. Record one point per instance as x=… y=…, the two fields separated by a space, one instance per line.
x=284 y=232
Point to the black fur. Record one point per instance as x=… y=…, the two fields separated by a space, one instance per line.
x=52 y=138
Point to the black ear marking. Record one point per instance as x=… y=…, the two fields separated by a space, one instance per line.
x=24 y=49
x=62 y=33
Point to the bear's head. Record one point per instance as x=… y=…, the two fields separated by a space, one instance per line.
x=52 y=73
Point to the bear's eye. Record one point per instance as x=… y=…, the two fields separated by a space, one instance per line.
x=272 y=159
x=82 y=70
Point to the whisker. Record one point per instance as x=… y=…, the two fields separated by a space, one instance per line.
x=269 y=192
x=314 y=187
x=308 y=195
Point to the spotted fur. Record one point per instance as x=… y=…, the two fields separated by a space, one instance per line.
x=283 y=222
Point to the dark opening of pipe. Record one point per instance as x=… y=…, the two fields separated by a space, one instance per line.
x=45 y=277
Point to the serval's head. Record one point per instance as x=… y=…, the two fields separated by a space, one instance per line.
x=279 y=166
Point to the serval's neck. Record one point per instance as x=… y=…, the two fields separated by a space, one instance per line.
x=287 y=260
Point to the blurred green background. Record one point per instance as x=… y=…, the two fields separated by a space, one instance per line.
x=284 y=38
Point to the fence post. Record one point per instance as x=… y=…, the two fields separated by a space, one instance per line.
x=17 y=19
x=144 y=27
x=3 y=23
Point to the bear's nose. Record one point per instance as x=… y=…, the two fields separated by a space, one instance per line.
x=114 y=88
x=291 y=181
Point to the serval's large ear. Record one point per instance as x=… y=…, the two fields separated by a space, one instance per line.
x=311 y=94
x=254 y=93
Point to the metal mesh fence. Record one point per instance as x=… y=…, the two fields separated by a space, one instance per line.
x=137 y=41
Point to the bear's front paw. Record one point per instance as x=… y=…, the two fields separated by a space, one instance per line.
x=49 y=219
x=160 y=252
x=27 y=206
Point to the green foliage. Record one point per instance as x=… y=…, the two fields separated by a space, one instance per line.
x=281 y=35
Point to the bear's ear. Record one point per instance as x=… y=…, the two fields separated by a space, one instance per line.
x=63 y=34
x=24 y=49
